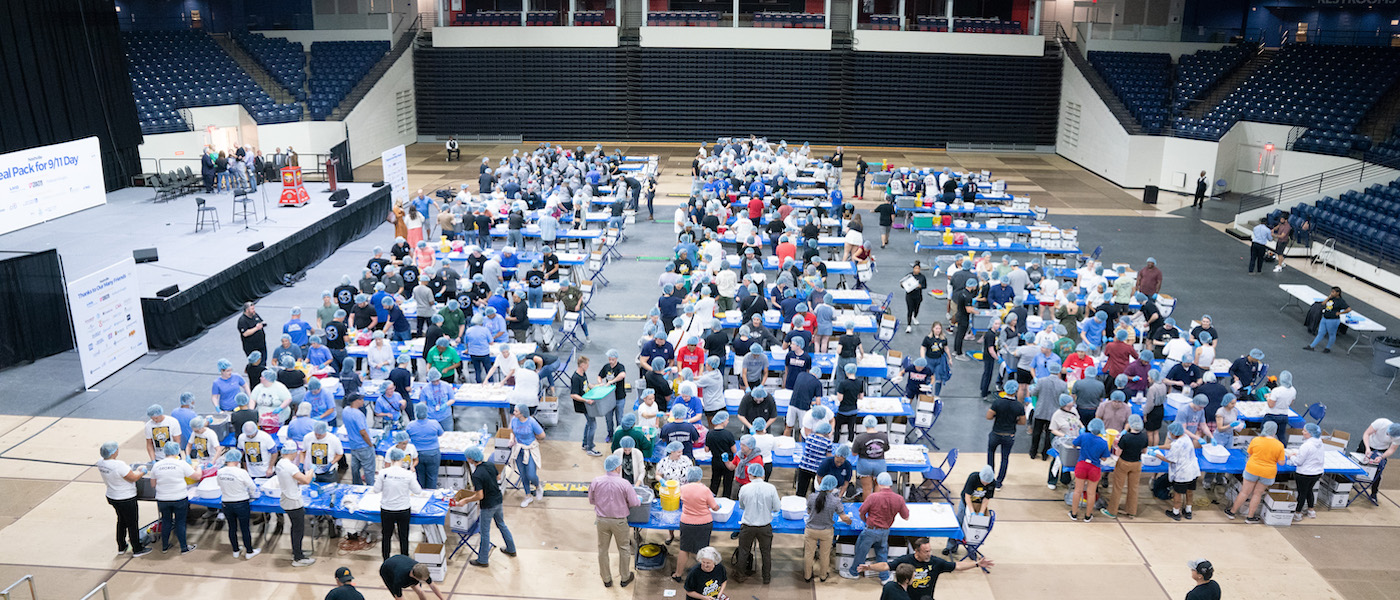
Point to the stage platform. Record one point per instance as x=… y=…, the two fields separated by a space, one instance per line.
x=213 y=267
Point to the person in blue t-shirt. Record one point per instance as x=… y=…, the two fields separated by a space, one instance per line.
x=423 y=433
x=357 y=442
x=321 y=402
x=1089 y=470
x=838 y=465
x=438 y=396
x=299 y=330
x=226 y=387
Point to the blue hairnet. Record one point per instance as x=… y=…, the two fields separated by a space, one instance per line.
x=1121 y=335
x=843 y=451
x=921 y=362
x=823 y=428
x=1176 y=429
x=420 y=411
x=1065 y=400
x=746 y=441
x=320 y=427
x=1200 y=400
x=400 y=436
x=755 y=471
x=1269 y=428
x=224 y=364
x=674 y=447
x=475 y=454
x=1135 y=422
x=870 y=421
x=107 y=450
x=627 y=442
x=986 y=474
x=612 y=462
x=658 y=363
x=155 y=410
x=1011 y=387
x=233 y=456
x=827 y=484
x=171 y=449
x=884 y=479
x=1256 y=354
x=1313 y=430
x=1096 y=426
x=1285 y=378
x=395 y=454
x=1118 y=395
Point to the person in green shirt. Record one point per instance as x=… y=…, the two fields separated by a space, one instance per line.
x=445 y=359
x=452 y=320
x=628 y=428
x=326 y=313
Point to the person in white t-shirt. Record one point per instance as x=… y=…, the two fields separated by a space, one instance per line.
x=410 y=451
x=238 y=491
x=527 y=386
x=259 y=451
x=1378 y=444
x=121 y=494
x=321 y=453
x=172 y=496
x=1174 y=350
x=505 y=363
x=160 y=429
x=270 y=395
x=204 y=443
x=819 y=414
x=397 y=483
x=290 y=478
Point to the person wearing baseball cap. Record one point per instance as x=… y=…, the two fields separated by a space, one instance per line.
x=345 y=590
x=1203 y=573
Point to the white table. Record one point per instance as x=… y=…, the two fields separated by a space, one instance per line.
x=1394 y=362
x=1303 y=296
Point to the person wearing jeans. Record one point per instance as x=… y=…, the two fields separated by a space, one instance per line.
x=878 y=511
x=237 y=489
x=358 y=442
x=525 y=452
x=172 y=495
x=487 y=491
x=758 y=500
x=1333 y=307
x=1005 y=414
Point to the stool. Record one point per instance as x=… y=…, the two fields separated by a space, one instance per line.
x=202 y=210
x=243 y=206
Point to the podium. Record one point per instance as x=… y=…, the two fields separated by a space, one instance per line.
x=293 y=192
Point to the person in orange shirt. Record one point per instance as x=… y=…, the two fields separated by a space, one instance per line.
x=696 y=522
x=1265 y=455
x=786 y=250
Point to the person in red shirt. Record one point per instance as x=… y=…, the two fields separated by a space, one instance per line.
x=1077 y=362
x=809 y=318
x=691 y=355
x=748 y=455
x=786 y=250
x=878 y=511
x=755 y=209
x=1118 y=353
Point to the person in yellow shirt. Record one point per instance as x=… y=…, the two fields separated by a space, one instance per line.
x=1265 y=455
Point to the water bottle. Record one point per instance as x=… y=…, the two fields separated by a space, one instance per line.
x=485 y=435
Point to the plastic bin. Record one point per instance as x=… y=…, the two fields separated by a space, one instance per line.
x=1385 y=348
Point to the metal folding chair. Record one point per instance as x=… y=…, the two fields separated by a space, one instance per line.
x=587 y=288
x=560 y=376
x=974 y=549
x=594 y=268
x=894 y=359
x=1316 y=411
x=571 y=326
x=464 y=538
x=888 y=325
x=924 y=435
x=1367 y=487
x=933 y=482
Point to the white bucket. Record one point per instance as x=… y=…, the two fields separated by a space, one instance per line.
x=794 y=508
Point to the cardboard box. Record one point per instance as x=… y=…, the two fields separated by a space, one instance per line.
x=845 y=549
x=452 y=483
x=1295 y=436
x=430 y=554
x=1333 y=499
x=1368 y=468
x=437 y=573
x=503 y=437
x=1278 y=518
x=549 y=403
x=500 y=456
x=461 y=522
x=1280 y=502
x=452 y=468
x=923 y=419
x=1338 y=437
x=1244 y=437
x=899 y=428
x=1330 y=444
x=1335 y=483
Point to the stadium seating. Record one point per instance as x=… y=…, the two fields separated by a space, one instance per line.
x=683 y=18
x=789 y=19
x=336 y=67
x=1327 y=89
x=979 y=25
x=541 y=18
x=171 y=70
x=1386 y=152
x=1197 y=73
x=931 y=23
x=1368 y=220
x=1140 y=80
x=488 y=18
x=593 y=18
x=884 y=22
x=283 y=59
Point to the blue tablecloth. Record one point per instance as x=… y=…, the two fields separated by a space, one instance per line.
x=671 y=521
x=826 y=361
x=790 y=461
x=1234 y=466
x=920 y=246
x=320 y=503
x=996 y=211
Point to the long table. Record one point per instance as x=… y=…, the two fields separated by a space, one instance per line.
x=873 y=365
x=320 y=502
x=1016 y=248
x=790 y=461
x=1303 y=296
x=1338 y=463
x=773 y=319
x=926 y=520
x=780 y=398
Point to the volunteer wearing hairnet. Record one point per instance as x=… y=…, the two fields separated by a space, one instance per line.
x=120 y=480
x=612 y=498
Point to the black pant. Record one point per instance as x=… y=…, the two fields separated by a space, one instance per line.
x=848 y=422
x=239 y=516
x=1199 y=199
x=128 y=524
x=913 y=300
x=390 y=520
x=454 y=155
x=1306 y=501
x=960 y=332
x=1256 y=256
x=721 y=479
x=1002 y=441
x=297 y=517
x=804 y=481
x=1041 y=428
x=1282 y=422
x=748 y=535
x=860 y=187
x=989 y=369
x=422 y=324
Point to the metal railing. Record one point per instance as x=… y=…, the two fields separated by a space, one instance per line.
x=1283 y=193
x=310 y=171
x=101 y=587
x=5 y=593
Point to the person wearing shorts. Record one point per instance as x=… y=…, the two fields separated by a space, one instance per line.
x=1182 y=468
x=696 y=523
x=1089 y=470
x=1265 y=455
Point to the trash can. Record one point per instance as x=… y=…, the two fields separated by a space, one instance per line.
x=1385 y=348
x=1149 y=194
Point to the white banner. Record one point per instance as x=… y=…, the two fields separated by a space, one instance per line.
x=48 y=182
x=395 y=163
x=107 y=321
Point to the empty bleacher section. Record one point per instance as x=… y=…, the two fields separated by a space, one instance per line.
x=1141 y=80
x=285 y=60
x=940 y=23
x=1367 y=220
x=489 y=18
x=683 y=18
x=593 y=18
x=171 y=70
x=789 y=19
x=670 y=95
x=1327 y=89
x=335 y=69
x=980 y=25
x=542 y=18
x=1197 y=74
x=1388 y=151
x=884 y=22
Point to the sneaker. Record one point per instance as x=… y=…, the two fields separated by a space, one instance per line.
x=1072 y=516
x=846 y=574
x=1176 y=516
x=1312 y=514
x=594 y=452
x=305 y=562
x=539 y=494
x=1188 y=515
x=188 y=549
x=1050 y=485
x=908 y=329
x=1229 y=513
x=914 y=321
x=148 y=550
x=1278 y=268
x=961 y=357
x=476 y=563
x=251 y=553
x=1326 y=350
x=1088 y=516
x=1309 y=348
x=526 y=502
x=237 y=554
x=1297 y=517
x=1105 y=513
x=1253 y=520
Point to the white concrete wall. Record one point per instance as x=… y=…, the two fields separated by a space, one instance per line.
x=1102 y=145
x=307 y=137
x=948 y=43
x=306 y=36
x=1182 y=162
x=373 y=125
x=1176 y=49
x=754 y=38
x=531 y=37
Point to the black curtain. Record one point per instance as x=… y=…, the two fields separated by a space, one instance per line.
x=65 y=78
x=33 y=308
x=173 y=321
